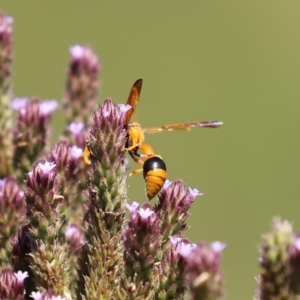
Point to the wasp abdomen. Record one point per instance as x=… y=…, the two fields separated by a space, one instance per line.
x=155 y=175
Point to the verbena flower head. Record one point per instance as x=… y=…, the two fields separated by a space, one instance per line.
x=66 y=157
x=41 y=179
x=203 y=268
x=12 y=284
x=12 y=210
x=175 y=200
x=5 y=53
x=294 y=263
x=6 y=59
x=107 y=196
x=31 y=133
x=274 y=278
x=82 y=84
x=141 y=239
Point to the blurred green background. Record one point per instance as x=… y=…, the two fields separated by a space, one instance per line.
x=235 y=61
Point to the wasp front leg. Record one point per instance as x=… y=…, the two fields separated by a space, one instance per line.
x=147 y=149
x=135 y=137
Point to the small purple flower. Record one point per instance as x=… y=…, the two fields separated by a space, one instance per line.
x=133 y=207
x=42 y=177
x=76 y=51
x=43 y=168
x=76 y=127
x=166 y=186
x=124 y=107
x=217 y=246
x=21 y=276
x=36 y=295
x=76 y=152
x=6 y=21
x=2 y=183
x=74 y=236
x=183 y=247
x=46 y=167
x=47 y=107
x=145 y=213
x=9 y=20
x=58 y=298
x=49 y=295
x=19 y=103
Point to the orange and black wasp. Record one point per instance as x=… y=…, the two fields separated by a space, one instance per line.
x=153 y=167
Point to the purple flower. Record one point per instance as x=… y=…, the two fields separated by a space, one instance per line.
x=182 y=246
x=82 y=84
x=145 y=213
x=76 y=127
x=74 y=236
x=294 y=263
x=133 y=207
x=124 y=107
x=47 y=107
x=6 y=20
x=175 y=200
x=203 y=269
x=76 y=152
x=11 y=285
x=142 y=241
x=49 y=295
x=36 y=295
x=42 y=178
x=77 y=51
x=21 y=276
x=45 y=167
x=19 y=103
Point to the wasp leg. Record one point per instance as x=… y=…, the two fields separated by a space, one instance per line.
x=135 y=156
x=129 y=148
x=86 y=156
x=147 y=149
x=135 y=172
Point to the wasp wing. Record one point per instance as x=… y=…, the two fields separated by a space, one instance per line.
x=133 y=99
x=183 y=126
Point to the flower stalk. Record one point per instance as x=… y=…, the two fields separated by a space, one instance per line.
x=6 y=59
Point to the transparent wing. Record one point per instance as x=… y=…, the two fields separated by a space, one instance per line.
x=184 y=126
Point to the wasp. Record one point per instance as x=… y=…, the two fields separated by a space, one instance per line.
x=153 y=167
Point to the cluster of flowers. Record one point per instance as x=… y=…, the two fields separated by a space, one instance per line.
x=64 y=233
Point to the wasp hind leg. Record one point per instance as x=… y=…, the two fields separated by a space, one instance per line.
x=135 y=172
